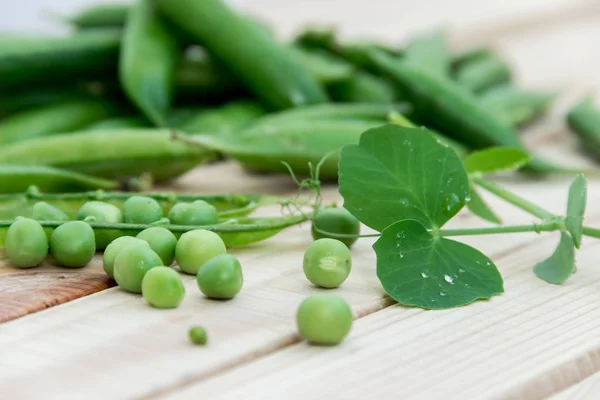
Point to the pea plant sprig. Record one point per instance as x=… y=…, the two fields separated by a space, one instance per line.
x=406 y=184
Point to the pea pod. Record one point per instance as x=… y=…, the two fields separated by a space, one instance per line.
x=320 y=112
x=584 y=120
x=228 y=118
x=31 y=99
x=324 y=66
x=228 y=206
x=60 y=117
x=234 y=232
x=16 y=178
x=515 y=106
x=362 y=87
x=483 y=73
x=33 y=60
x=100 y=16
x=471 y=55
x=445 y=105
x=295 y=142
x=149 y=54
x=429 y=52
x=130 y=152
x=253 y=56
x=119 y=123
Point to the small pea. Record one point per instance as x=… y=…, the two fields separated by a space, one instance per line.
x=336 y=221
x=198 y=335
x=132 y=263
x=162 y=287
x=162 y=241
x=197 y=213
x=142 y=210
x=221 y=277
x=101 y=212
x=196 y=247
x=327 y=263
x=26 y=243
x=73 y=244
x=43 y=211
x=324 y=319
x=114 y=248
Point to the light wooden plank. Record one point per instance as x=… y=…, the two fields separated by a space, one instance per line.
x=115 y=335
x=588 y=389
x=533 y=341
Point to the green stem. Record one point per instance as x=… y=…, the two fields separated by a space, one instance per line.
x=591 y=232
x=345 y=235
x=537 y=228
x=513 y=199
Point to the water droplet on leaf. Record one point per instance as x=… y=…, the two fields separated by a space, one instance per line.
x=443 y=293
x=425 y=274
x=449 y=279
x=462 y=270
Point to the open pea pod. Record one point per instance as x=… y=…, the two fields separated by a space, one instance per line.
x=228 y=205
x=234 y=232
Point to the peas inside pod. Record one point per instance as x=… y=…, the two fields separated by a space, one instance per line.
x=99 y=211
x=197 y=213
x=142 y=210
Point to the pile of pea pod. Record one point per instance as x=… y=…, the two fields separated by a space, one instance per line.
x=144 y=92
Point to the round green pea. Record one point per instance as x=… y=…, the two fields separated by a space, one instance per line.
x=132 y=263
x=162 y=287
x=336 y=221
x=142 y=210
x=198 y=335
x=162 y=241
x=43 y=211
x=324 y=319
x=26 y=243
x=221 y=277
x=102 y=212
x=197 y=213
x=196 y=247
x=327 y=263
x=73 y=244
x=114 y=248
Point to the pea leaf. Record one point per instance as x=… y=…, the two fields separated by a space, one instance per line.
x=576 y=209
x=419 y=269
x=479 y=207
x=397 y=173
x=560 y=265
x=495 y=159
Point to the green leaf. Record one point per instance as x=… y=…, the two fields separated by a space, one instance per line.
x=398 y=173
x=560 y=265
x=576 y=209
x=495 y=159
x=479 y=207
x=419 y=269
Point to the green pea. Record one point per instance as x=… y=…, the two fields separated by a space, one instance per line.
x=114 y=248
x=43 y=211
x=142 y=210
x=336 y=221
x=197 y=335
x=162 y=287
x=26 y=243
x=196 y=247
x=72 y=244
x=327 y=263
x=162 y=241
x=102 y=212
x=324 y=319
x=197 y=213
x=221 y=277
x=132 y=263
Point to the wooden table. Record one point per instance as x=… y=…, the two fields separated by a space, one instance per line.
x=533 y=342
